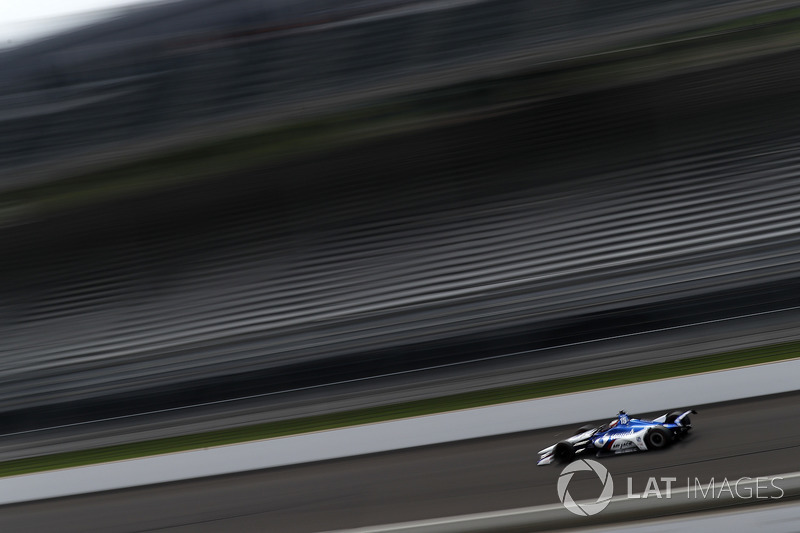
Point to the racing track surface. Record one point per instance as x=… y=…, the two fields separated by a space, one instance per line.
x=734 y=439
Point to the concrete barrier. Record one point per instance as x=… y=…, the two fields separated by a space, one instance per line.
x=688 y=391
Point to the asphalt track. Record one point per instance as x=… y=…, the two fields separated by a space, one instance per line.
x=731 y=440
x=781 y=518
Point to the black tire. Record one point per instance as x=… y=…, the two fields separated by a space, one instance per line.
x=564 y=452
x=657 y=438
x=583 y=429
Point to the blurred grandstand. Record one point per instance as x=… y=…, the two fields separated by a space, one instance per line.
x=619 y=209
x=162 y=71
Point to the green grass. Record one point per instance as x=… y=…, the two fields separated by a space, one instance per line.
x=407 y=409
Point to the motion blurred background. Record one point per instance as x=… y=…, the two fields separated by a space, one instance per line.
x=323 y=205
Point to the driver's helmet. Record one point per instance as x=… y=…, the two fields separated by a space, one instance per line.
x=623 y=418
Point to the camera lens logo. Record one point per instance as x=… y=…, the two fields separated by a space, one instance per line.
x=585 y=508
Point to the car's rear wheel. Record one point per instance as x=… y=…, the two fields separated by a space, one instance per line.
x=657 y=438
x=564 y=452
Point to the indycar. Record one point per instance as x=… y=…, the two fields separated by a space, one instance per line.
x=621 y=435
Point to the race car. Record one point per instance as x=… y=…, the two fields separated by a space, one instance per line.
x=621 y=435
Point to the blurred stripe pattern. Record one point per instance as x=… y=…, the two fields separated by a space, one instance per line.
x=357 y=262
x=551 y=211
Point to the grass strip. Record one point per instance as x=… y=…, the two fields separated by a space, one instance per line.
x=442 y=404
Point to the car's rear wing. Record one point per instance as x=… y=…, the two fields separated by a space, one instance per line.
x=663 y=418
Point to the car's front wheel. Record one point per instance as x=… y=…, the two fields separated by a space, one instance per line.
x=564 y=452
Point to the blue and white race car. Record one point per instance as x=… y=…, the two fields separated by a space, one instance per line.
x=621 y=435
